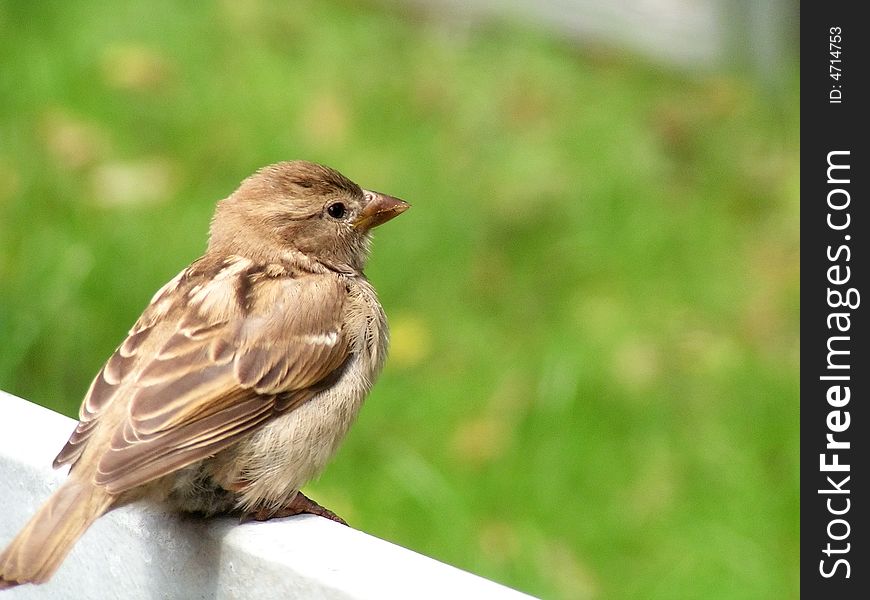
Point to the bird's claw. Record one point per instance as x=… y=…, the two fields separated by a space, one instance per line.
x=300 y=504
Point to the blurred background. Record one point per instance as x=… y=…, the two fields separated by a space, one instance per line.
x=592 y=390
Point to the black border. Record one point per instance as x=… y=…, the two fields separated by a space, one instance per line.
x=828 y=126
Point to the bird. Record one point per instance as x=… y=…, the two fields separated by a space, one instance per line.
x=242 y=376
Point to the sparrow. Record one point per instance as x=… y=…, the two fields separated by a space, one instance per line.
x=242 y=376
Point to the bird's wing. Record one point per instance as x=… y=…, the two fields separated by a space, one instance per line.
x=246 y=344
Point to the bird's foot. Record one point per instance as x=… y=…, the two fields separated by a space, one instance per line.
x=300 y=504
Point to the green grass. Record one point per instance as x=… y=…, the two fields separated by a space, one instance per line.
x=593 y=386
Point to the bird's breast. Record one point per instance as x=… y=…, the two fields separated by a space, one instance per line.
x=287 y=452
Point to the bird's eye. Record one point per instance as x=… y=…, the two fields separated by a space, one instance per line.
x=336 y=210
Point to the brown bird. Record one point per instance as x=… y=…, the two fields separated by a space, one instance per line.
x=239 y=381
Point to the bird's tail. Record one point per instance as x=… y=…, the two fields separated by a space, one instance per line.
x=37 y=551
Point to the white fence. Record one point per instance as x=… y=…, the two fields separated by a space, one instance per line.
x=143 y=552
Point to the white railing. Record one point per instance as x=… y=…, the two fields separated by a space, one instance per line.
x=141 y=551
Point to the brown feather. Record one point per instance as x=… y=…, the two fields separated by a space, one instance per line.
x=37 y=551
x=213 y=381
x=128 y=465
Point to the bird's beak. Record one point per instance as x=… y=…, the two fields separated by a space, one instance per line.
x=380 y=209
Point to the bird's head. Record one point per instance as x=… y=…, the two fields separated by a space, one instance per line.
x=305 y=208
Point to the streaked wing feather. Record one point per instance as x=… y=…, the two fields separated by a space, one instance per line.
x=106 y=384
x=157 y=454
x=214 y=381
